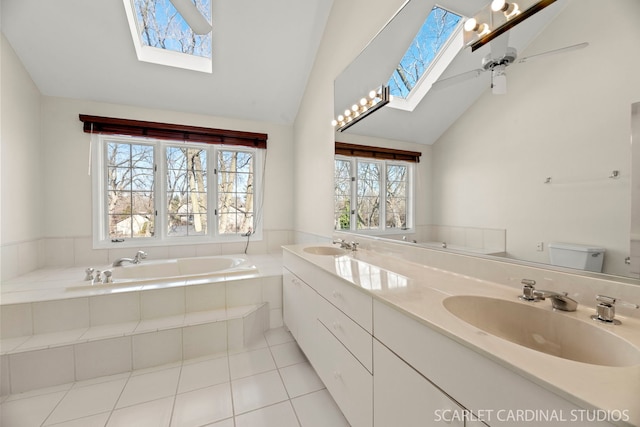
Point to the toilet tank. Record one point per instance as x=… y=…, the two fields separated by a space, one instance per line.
x=582 y=257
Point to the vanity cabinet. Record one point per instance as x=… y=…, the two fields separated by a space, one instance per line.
x=403 y=397
x=332 y=323
x=300 y=311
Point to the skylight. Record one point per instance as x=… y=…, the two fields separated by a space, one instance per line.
x=162 y=35
x=427 y=50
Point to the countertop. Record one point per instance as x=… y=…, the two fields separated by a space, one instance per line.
x=419 y=291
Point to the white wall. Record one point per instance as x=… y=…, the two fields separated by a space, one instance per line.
x=351 y=24
x=565 y=117
x=46 y=189
x=21 y=172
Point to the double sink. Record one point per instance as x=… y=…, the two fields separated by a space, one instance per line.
x=535 y=326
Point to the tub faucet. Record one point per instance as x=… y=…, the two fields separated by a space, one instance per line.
x=135 y=260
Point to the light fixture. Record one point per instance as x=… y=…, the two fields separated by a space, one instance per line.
x=498 y=17
x=376 y=99
x=509 y=9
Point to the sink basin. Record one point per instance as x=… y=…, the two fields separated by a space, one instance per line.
x=324 y=250
x=541 y=329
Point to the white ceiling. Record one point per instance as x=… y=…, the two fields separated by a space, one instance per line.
x=262 y=51
x=440 y=108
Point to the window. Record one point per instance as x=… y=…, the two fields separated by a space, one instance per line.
x=437 y=42
x=162 y=35
x=159 y=192
x=372 y=195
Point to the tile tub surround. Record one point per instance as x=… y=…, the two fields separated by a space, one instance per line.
x=48 y=339
x=417 y=290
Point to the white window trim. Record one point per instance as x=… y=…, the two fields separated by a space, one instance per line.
x=99 y=196
x=383 y=230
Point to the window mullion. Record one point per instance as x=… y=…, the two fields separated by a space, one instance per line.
x=160 y=179
x=383 y=195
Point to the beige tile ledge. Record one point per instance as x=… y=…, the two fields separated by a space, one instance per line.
x=78 y=336
x=421 y=293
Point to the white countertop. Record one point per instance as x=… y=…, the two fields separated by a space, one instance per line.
x=419 y=291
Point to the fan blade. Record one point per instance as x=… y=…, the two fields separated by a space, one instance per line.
x=192 y=16
x=459 y=78
x=554 y=52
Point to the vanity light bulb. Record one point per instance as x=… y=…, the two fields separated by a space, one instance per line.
x=340 y=118
x=373 y=94
x=347 y=112
x=497 y=5
x=471 y=24
x=334 y=123
x=355 y=108
x=363 y=101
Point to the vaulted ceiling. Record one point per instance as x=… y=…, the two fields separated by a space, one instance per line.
x=262 y=54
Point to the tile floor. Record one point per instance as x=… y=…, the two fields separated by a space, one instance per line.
x=270 y=384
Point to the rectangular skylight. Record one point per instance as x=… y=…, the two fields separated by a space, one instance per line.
x=161 y=35
x=432 y=37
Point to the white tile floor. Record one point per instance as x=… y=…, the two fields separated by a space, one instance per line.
x=269 y=385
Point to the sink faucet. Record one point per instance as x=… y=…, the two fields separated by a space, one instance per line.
x=135 y=260
x=352 y=246
x=559 y=301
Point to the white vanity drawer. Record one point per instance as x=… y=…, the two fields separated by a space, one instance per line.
x=352 y=302
x=355 y=303
x=358 y=341
x=349 y=383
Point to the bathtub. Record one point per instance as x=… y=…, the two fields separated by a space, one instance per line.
x=181 y=270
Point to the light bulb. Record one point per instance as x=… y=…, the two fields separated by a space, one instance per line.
x=471 y=24
x=363 y=101
x=334 y=123
x=347 y=112
x=497 y=5
x=355 y=108
x=340 y=118
x=373 y=94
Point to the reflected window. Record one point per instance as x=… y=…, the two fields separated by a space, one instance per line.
x=424 y=51
x=372 y=195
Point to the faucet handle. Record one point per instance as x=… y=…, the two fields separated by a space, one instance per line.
x=528 y=290
x=606 y=309
x=89 y=274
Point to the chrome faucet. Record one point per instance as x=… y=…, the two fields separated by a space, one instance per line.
x=135 y=260
x=352 y=246
x=559 y=301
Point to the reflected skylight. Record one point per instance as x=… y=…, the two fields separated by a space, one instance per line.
x=162 y=36
x=431 y=39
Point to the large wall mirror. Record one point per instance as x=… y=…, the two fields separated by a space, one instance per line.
x=549 y=161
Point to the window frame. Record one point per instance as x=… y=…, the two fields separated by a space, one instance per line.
x=101 y=239
x=410 y=195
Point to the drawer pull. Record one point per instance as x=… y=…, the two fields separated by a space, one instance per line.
x=336 y=294
x=337 y=376
x=336 y=325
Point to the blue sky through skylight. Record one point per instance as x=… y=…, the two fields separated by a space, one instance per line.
x=161 y=26
x=432 y=36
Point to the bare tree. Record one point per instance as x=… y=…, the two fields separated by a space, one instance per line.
x=163 y=27
x=433 y=34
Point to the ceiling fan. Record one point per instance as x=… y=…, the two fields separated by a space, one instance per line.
x=192 y=16
x=497 y=61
